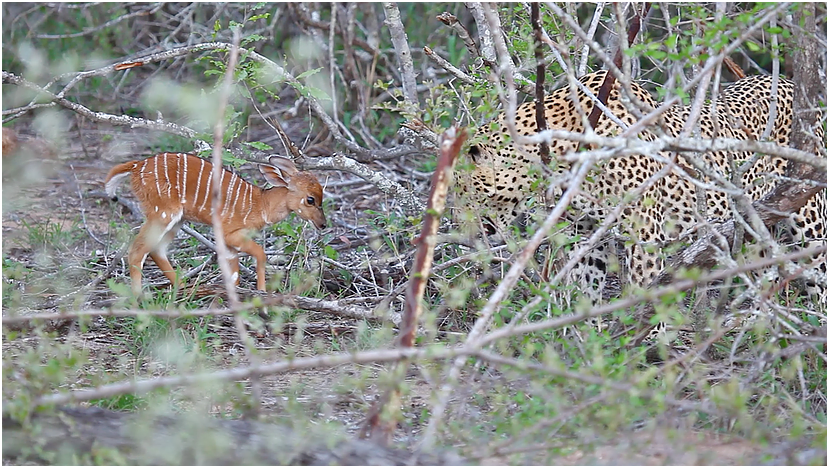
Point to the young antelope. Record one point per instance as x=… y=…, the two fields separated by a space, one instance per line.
x=173 y=188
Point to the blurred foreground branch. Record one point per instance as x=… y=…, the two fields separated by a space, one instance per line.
x=146 y=439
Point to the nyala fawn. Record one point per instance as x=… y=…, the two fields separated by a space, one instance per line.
x=173 y=188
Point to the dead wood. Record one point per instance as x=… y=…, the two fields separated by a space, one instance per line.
x=183 y=439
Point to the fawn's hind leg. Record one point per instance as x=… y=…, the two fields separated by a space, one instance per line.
x=152 y=240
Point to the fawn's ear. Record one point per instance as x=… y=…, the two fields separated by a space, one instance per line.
x=279 y=171
x=284 y=164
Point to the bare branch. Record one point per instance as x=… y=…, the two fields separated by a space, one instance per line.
x=489 y=57
x=501 y=293
x=123 y=120
x=142 y=12
x=490 y=36
x=452 y=22
x=408 y=200
x=447 y=66
x=403 y=55
x=452 y=141
x=584 y=54
x=217 y=168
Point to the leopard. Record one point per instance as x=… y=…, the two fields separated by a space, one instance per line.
x=506 y=179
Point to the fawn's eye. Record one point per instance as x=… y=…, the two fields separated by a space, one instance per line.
x=311 y=201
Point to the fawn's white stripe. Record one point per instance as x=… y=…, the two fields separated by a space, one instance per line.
x=198 y=184
x=206 y=191
x=157 y=182
x=143 y=170
x=184 y=182
x=166 y=177
x=243 y=197
x=250 y=198
x=222 y=197
x=229 y=195
x=238 y=187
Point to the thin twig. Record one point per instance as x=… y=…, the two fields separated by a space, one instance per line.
x=221 y=246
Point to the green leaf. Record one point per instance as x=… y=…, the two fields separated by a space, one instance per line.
x=251 y=38
x=752 y=46
x=229 y=159
x=775 y=30
x=257 y=17
x=318 y=93
x=259 y=145
x=308 y=73
x=330 y=252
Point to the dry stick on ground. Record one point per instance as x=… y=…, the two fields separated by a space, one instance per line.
x=381 y=428
x=403 y=56
x=343 y=308
x=220 y=244
x=539 y=92
x=788 y=196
